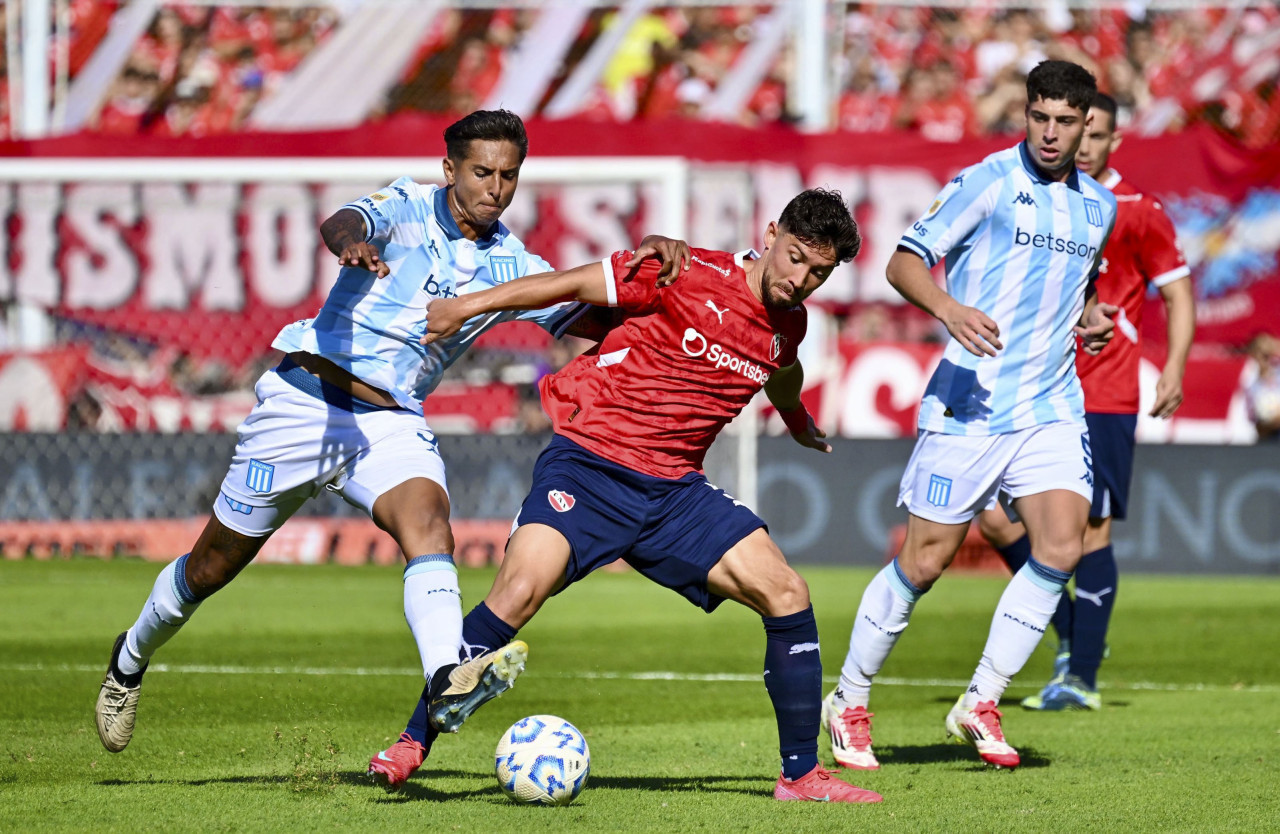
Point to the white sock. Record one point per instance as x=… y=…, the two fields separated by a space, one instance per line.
x=1024 y=611
x=882 y=615
x=433 y=609
x=170 y=605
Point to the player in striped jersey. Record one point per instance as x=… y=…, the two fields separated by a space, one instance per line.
x=1142 y=252
x=343 y=412
x=1021 y=234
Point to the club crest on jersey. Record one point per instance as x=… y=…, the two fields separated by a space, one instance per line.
x=775 y=347
x=503 y=268
x=259 y=477
x=1093 y=212
x=939 y=490
x=561 y=502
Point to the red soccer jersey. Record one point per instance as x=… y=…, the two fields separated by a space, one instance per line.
x=655 y=393
x=1142 y=250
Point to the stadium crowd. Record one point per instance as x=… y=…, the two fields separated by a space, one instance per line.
x=945 y=72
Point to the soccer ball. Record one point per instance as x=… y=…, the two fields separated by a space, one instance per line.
x=542 y=760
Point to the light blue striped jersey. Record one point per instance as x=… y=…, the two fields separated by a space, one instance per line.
x=1021 y=249
x=370 y=326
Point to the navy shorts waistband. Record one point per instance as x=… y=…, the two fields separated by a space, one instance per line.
x=312 y=385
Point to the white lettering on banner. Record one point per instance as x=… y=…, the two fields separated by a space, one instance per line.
x=720 y=208
x=900 y=196
x=37 y=208
x=29 y=391
x=192 y=246
x=875 y=369
x=281 y=267
x=598 y=214
x=845 y=281
x=104 y=272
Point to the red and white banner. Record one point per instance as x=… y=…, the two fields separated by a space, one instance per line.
x=172 y=290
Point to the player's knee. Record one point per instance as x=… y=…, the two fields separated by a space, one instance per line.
x=787 y=595
x=423 y=532
x=518 y=598
x=923 y=566
x=1060 y=554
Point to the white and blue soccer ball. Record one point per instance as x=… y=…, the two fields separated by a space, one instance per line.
x=542 y=760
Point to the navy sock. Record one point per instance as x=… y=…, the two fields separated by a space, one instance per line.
x=419 y=728
x=1015 y=555
x=482 y=632
x=793 y=677
x=1096 y=581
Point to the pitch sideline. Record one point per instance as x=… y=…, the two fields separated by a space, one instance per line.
x=363 y=671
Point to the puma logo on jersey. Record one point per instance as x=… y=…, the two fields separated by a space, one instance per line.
x=1096 y=599
x=719 y=312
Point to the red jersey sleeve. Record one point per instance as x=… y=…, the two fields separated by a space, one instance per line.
x=1162 y=260
x=634 y=290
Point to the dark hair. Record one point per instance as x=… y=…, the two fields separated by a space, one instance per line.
x=1106 y=104
x=485 y=125
x=820 y=218
x=1062 y=81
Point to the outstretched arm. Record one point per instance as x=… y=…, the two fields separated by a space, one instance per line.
x=445 y=316
x=972 y=328
x=783 y=390
x=344 y=233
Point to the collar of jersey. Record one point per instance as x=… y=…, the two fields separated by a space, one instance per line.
x=445 y=218
x=1073 y=179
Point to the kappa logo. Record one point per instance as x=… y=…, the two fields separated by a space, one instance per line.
x=1023 y=199
x=719 y=312
x=561 y=502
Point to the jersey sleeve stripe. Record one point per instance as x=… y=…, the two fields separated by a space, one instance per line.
x=915 y=247
x=610 y=283
x=1175 y=274
x=369 y=225
x=572 y=312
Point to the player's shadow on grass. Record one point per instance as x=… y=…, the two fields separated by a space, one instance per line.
x=422 y=790
x=948 y=752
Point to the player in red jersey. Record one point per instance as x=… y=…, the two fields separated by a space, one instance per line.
x=634 y=417
x=1142 y=252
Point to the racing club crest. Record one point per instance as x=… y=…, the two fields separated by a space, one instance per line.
x=503 y=268
x=775 y=347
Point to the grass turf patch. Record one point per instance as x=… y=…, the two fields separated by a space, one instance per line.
x=263 y=713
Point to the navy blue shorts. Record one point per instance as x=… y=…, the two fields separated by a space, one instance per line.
x=1111 y=437
x=673 y=532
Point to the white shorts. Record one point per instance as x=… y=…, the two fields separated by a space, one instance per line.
x=951 y=478
x=294 y=443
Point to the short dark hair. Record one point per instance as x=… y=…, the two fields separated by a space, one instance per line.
x=485 y=125
x=1105 y=103
x=820 y=218
x=1062 y=81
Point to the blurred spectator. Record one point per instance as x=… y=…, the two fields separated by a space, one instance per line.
x=1262 y=395
x=946 y=72
x=135 y=94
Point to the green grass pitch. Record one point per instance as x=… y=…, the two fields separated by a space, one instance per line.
x=262 y=714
